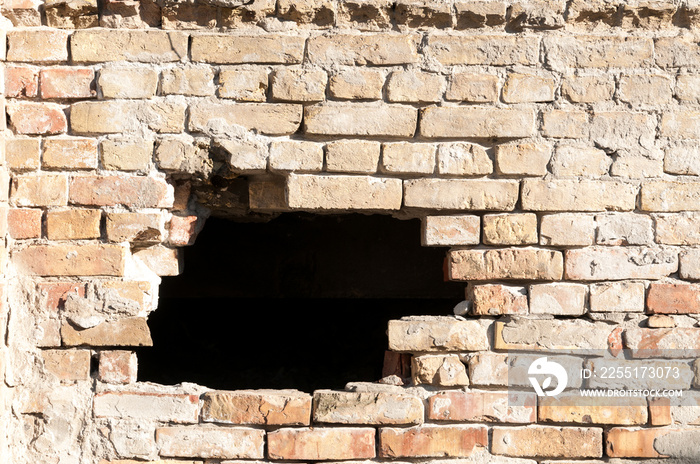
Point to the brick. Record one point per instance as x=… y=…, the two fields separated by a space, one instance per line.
x=565 y=124
x=687 y=88
x=250 y=156
x=360 y=119
x=408 y=158
x=630 y=443
x=139 y=192
x=444 y=371
x=572 y=407
x=578 y=161
x=483 y=406
x=183 y=230
x=616 y=263
x=365 y=15
x=488 y=369
x=267 y=194
x=690 y=264
x=667 y=298
x=126 y=154
x=463 y=159
x=559 y=299
x=71 y=260
x=40 y=190
x=466 y=122
x=21 y=81
x=451 y=230
x=100 y=45
x=134 y=227
x=36 y=118
x=415 y=87
x=450 y=50
x=476 y=14
x=70 y=153
x=132 y=331
x=352 y=156
x=137 y=291
x=653 y=342
x=73 y=224
x=588 y=89
x=165 y=115
x=577 y=195
x=660 y=321
x=684 y=159
x=523 y=158
x=680 y=125
x=670 y=196
x=624 y=229
x=197 y=81
x=505 y=263
x=645 y=89
x=343 y=407
x=23 y=154
x=472 y=88
x=67 y=82
x=229 y=49
x=432 y=441
x=356 y=84
x=422 y=14
x=497 y=299
x=437 y=334
x=622 y=130
x=360 y=50
x=268 y=118
x=461 y=194
x=24 y=223
x=617 y=297
x=317 y=12
x=117 y=367
x=53 y=295
x=72 y=14
x=119 y=81
x=291 y=155
x=189 y=16
x=598 y=52
x=638 y=165
x=211 y=442
x=161 y=260
x=676 y=52
x=567 y=229
x=548 y=442
x=321 y=443
x=528 y=88
x=243 y=84
x=311 y=192
x=299 y=85
x=183 y=155
x=67 y=365
x=510 y=229
x=37 y=45
x=263 y=407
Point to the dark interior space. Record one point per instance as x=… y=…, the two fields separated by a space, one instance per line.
x=301 y=301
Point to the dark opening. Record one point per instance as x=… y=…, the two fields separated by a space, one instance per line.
x=300 y=302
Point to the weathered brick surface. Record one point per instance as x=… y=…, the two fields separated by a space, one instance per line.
x=439 y=370
x=117 y=366
x=663 y=298
x=373 y=49
x=483 y=50
x=352 y=156
x=257 y=407
x=40 y=46
x=40 y=190
x=118 y=116
x=483 y=406
x=70 y=153
x=524 y=158
x=467 y=122
x=307 y=192
x=496 y=299
x=178 y=408
x=652 y=342
x=336 y=407
x=67 y=364
x=572 y=407
x=563 y=299
x=506 y=263
x=132 y=331
x=36 y=118
x=73 y=224
x=437 y=334
x=67 y=82
x=94 y=46
x=210 y=442
x=672 y=196
x=461 y=194
x=299 y=85
x=321 y=443
x=24 y=223
x=451 y=230
x=140 y=192
x=432 y=441
x=510 y=229
x=542 y=441
x=21 y=81
x=134 y=227
x=357 y=84
x=578 y=195
x=360 y=120
x=473 y=88
x=227 y=49
x=270 y=119
x=567 y=229
x=617 y=297
x=616 y=263
x=118 y=81
x=598 y=52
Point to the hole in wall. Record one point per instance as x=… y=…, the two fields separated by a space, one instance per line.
x=301 y=301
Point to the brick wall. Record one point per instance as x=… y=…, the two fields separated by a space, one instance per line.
x=554 y=147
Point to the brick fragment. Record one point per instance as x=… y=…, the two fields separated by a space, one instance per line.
x=179 y=408
x=321 y=13
x=676 y=52
x=358 y=50
x=441 y=370
x=422 y=14
x=688 y=88
x=21 y=81
x=660 y=411
x=497 y=299
x=211 y=442
x=465 y=122
x=572 y=407
x=37 y=45
x=249 y=156
x=437 y=334
x=23 y=154
x=67 y=82
x=357 y=84
x=654 y=342
x=618 y=263
x=140 y=192
x=24 y=223
x=432 y=441
x=341 y=407
x=53 y=295
x=548 y=442
x=461 y=194
x=195 y=81
x=360 y=120
x=506 y=263
x=36 y=118
x=229 y=49
x=119 y=81
x=472 y=88
x=70 y=153
x=70 y=260
x=134 y=227
x=678 y=229
x=632 y=443
x=67 y=364
x=365 y=15
x=299 y=85
x=258 y=407
x=100 y=45
x=668 y=298
x=560 y=299
x=161 y=260
x=310 y=192
x=451 y=230
x=577 y=195
x=683 y=159
x=132 y=331
x=477 y=14
x=352 y=156
x=483 y=406
x=268 y=118
x=510 y=229
x=450 y=50
x=680 y=125
x=40 y=190
x=117 y=367
x=243 y=84
x=321 y=443
x=73 y=224
x=183 y=230
x=617 y=297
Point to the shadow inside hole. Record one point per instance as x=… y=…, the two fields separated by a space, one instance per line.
x=300 y=302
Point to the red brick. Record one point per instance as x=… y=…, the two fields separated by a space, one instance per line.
x=550 y=442
x=117 y=366
x=40 y=190
x=495 y=299
x=632 y=443
x=483 y=406
x=70 y=153
x=136 y=191
x=321 y=443
x=21 y=81
x=183 y=230
x=67 y=364
x=24 y=223
x=67 y=82
x=36 y=118
x=54 y=294
x=673 y=299
x=432 y=441
x=70 y=260
x=73 y=224
x=257 y=407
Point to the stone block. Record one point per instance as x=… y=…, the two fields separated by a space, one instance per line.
x=567 y=229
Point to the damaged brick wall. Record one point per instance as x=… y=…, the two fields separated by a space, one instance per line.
x=553 y=146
